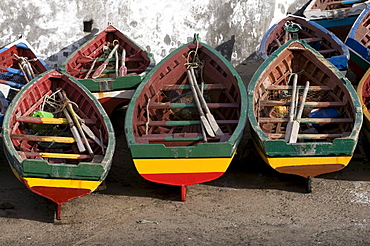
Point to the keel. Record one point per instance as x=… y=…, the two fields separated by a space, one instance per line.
x=59 y=211
x=183 y=192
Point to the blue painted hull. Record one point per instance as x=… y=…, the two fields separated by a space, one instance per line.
x=324 y=38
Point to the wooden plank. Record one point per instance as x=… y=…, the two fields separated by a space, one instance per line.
x=52 y=121
x=176 y=137
x=166 y=105
x=43 y=138
x=289 y=87
x=326 y=51
x=55 y=155
x=187 y=87
x=307 y=120
x=306 y=136
x=184 y=122
x=307 y=104
x=313 y=39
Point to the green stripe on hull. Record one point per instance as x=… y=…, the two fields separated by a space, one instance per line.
x=202 y=150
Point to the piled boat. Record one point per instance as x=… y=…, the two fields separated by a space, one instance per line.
x=336 y=16
x=295 y=27
x=305 y=115
x=18 y=65
x=186 y=118
x=111 y=66
x=358 y=42
x=57 y=138
x=363 y=92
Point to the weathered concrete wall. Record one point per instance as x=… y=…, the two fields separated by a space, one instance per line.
x=55 y=28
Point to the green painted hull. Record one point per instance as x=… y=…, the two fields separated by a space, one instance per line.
x=342 y=146
x=38 y=168
x=201 y=150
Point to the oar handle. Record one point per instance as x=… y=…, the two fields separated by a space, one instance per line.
x=294 y=92
x=112 y=52
x=304 y=96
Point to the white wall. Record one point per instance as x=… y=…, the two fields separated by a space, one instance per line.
x=55 y=27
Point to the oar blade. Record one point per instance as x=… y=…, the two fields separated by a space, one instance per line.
x=122 y=71
x=207 y=126
x=99 y=70
x=294 y=133
x=216 y=128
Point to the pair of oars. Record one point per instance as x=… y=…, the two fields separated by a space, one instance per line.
x=102 y=67
x=75 y=125
x=291 y=133
x=207 y=119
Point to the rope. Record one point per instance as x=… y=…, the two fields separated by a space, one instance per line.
x=292 y=27
x=148 y=117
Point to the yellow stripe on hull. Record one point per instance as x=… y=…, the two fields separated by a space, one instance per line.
x=62 y=183
x=290 y=161
x=306 y=161
x=182 y=165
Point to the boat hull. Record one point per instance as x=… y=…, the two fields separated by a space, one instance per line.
x=138 y=63
x=319 y=148
x=315 y=35
x=335 y=16
x=173 y=151
x=305 y=166
x=57 y=173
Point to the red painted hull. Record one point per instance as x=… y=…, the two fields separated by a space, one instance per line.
x=182 y=179
x=111 y=103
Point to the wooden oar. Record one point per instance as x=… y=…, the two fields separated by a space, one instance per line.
x=74 y=131
x=101 y=68
x=203 y=119
x=216 y=128
x=11 y=83
x=123 y=68
x=77 y=123
x=117 y=72
x=288 y=130
x=296 y=123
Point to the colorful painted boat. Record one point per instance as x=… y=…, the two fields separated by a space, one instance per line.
x=358 y=42
x=295 y=27
x=363 y=92
x=111 y=88
x=336 y=16
x=40 y=138
x=163 y=126
x=327 y=130
x=18 y=65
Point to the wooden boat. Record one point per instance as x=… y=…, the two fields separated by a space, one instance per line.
x=358 y=42
x=363 y=92
x=295 y=27
x=164 y=127
x=111 y=87
x=322 y=135
x=18 y=65
x=336 y=16
x=58 y=152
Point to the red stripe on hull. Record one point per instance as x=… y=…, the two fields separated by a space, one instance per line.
x=182 y=179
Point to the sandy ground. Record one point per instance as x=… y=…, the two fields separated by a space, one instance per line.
x=250 y=204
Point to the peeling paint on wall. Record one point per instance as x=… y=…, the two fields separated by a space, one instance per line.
x=55 y=28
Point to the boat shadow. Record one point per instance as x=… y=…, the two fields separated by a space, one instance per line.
x=16 y=201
